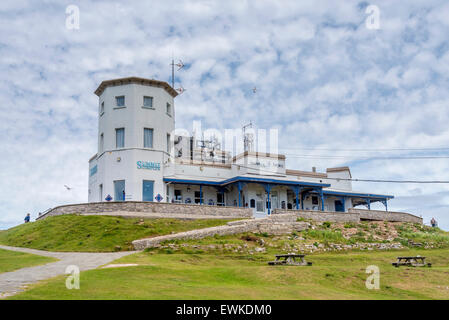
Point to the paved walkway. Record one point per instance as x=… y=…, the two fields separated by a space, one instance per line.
x=14 y=281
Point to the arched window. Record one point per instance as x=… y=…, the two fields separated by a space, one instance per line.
x=252 y=203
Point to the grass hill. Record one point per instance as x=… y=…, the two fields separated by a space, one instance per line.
x=12 y=260
x=94 y=233
x=235 y=266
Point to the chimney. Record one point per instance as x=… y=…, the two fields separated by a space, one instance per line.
x=313 y=169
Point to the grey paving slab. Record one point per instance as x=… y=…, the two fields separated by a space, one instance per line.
x=16 y=281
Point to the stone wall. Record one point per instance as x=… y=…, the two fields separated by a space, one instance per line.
x=353 y=215
x=377 y=215
x=283 y=224
x=141 y=209
x=330 y=216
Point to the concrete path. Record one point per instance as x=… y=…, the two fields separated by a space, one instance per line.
x=15 y=281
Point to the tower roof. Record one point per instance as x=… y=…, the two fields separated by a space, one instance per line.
x=135 y=80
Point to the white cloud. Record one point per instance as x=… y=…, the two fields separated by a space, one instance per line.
x=322 y=77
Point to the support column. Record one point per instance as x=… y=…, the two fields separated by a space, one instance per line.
x=268 y=189
x=239 y=186
x=297 y=190
x=343 y=201
x=385 y=204
x=302 y=201
x=368 y=202
x=201 y=194
x=322 y=199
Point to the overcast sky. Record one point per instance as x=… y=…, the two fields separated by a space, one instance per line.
x=323 y=78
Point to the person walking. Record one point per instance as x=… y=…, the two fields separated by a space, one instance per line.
x=433 y=222
x=27 y=218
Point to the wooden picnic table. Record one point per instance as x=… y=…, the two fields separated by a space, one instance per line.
x=417 y=261
x=290 y=259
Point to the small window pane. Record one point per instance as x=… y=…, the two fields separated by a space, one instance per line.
x=168 y=108
x=120 y=101
x=168 y=143
x=148 y=102
x=147 y=138
x=102 y=107
x=120 y=138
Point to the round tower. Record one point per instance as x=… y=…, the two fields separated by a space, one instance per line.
x=136 y=118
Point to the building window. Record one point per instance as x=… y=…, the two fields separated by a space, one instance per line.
x=198 y=198
x=101 y=143
x=120 y=101
x=169 y=109
x=120 y=138
x=100 y=192
x=168 y=142
x=147 y=138
x=148 y=102
x=102 y=108
x=314 y=200
x=178 y=196
x=220 y=199
x=252 y=203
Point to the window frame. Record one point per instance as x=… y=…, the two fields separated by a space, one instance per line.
x=152 y=103
x=152 y=138
x=116 y=138
x=168 y=109
x=117 y=106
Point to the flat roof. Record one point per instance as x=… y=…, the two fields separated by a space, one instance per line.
x=135 y=80
x=247 y=180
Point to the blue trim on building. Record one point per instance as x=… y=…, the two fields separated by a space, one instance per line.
x=247 y=180
x=358 y=195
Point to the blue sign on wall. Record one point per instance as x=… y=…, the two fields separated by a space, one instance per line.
x=148 y=165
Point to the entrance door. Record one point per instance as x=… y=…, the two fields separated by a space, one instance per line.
x=119 y=189
x=147 y=190
x=260 y=208
x=274 y=200
x=339 y=206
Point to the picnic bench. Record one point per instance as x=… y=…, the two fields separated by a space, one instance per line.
x=417 y=261
x=290 y=259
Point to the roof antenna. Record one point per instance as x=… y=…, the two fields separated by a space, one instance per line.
x=180 y=65
x=247 y=138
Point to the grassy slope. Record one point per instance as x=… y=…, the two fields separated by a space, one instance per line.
x=232 y=276
x=12 y=260
x=94 y=233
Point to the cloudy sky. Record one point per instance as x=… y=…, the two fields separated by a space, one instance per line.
x=340 y=93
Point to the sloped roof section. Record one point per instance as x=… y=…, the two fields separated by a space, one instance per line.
x=135 y=80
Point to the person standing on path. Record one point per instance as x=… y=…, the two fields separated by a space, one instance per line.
x=27 y=218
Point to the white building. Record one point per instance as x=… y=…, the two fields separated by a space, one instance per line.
x=140 y=158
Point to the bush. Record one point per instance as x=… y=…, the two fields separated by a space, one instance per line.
x=326 y=224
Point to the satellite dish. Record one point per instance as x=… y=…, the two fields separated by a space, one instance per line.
x=178 y=140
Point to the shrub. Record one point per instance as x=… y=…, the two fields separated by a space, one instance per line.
x=326 y=224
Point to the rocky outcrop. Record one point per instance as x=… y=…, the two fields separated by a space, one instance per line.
x=274 y=225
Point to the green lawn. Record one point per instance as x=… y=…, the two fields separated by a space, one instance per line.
x=12 y=260
x=233 y=276
x=94 y=233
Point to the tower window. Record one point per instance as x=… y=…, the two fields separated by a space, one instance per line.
x=147 y=138
x=102 y=108
x=169 y=109
x=120 y=101
x=120 y=138
x=168 y=143
x=101 y=142
x=148 y=102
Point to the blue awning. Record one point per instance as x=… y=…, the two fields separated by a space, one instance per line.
x=248 y=180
